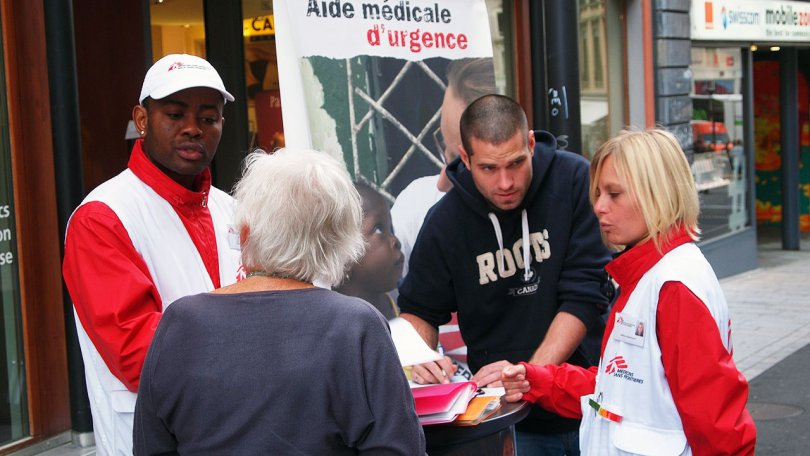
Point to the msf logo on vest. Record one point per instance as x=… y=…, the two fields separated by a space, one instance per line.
x=619 y=368
x=614 y=364
x=512 y=261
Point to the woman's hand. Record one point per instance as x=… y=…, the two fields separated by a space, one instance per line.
x=514 y=382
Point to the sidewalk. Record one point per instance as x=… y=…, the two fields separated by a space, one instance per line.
x=770 y=316
x=770 y=306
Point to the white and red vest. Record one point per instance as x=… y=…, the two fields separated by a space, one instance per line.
x=175 y=265
x=631 y=380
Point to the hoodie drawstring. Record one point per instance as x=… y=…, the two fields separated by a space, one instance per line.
x=527 y=272
x=497 y=227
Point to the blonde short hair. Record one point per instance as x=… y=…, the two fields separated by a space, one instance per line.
x=653 y=168
x=302 y=215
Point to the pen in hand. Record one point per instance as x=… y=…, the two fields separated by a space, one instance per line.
x=441 y=352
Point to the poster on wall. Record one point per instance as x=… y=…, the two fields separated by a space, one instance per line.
x=364 y=80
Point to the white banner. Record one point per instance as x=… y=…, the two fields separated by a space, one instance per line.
x=404 y=29
x=389 y=58
x=377 y=83
x=750 y=21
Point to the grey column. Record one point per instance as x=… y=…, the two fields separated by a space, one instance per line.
x=538 y=63
x=561 y=19
x=789 y=125
x=223 y=40
x=748 y=132
x=67 y=158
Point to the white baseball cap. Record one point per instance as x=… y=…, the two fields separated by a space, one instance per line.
x=176 y=72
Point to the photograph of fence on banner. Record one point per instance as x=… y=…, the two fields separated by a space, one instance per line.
x=367 y=86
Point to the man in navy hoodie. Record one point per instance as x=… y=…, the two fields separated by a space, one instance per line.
x=515 y=249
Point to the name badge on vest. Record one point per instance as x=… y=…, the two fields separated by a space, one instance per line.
x=629 y=329
x=233 y=238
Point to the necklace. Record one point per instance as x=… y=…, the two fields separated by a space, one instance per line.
x=283 y=281
x=260 y=273
x=393 y=305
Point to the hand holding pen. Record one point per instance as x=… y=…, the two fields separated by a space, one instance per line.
x=434 y=372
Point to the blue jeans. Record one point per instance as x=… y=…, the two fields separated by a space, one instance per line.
x=531 y=444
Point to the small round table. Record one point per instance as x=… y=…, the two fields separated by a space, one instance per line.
x=493 y=436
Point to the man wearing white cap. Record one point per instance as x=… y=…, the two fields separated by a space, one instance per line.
x=156 y=232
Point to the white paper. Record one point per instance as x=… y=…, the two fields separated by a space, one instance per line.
x=410 y=346
x=496 y=391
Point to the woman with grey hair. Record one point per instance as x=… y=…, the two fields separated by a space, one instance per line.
x=274 y=364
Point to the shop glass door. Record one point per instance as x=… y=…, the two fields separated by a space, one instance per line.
x=13 y=403
x=719 y=163
x=601 y=57
x=261 y=75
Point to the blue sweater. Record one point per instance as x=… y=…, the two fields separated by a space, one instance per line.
x=298 y=372
x=502 y=313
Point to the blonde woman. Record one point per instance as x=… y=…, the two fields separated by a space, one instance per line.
x=672 y=388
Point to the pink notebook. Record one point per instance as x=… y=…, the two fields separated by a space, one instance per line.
x=432 y=399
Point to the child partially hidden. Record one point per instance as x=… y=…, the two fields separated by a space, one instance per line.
x=377 y=272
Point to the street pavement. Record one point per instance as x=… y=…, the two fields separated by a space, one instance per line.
x=770 y=306
x=770 y=316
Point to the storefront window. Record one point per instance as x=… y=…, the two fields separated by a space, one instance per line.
x=13 y=405
x=261 y=75
x=177 y=28
x=719 y=162
x=500 y=27
x=601 y=72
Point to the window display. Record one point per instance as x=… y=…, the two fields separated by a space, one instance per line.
x=601 y=72
x=719 y=162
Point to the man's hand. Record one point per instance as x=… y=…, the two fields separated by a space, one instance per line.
x=434 y=372
x=490 y=375
x=514 y=382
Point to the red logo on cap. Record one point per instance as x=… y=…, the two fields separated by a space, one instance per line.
x=175 y=65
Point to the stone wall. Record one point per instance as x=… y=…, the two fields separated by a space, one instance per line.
x=671 y=59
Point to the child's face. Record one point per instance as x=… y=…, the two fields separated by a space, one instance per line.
x=381 y=267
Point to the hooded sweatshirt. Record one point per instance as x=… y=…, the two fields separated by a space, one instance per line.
x=508 y=273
